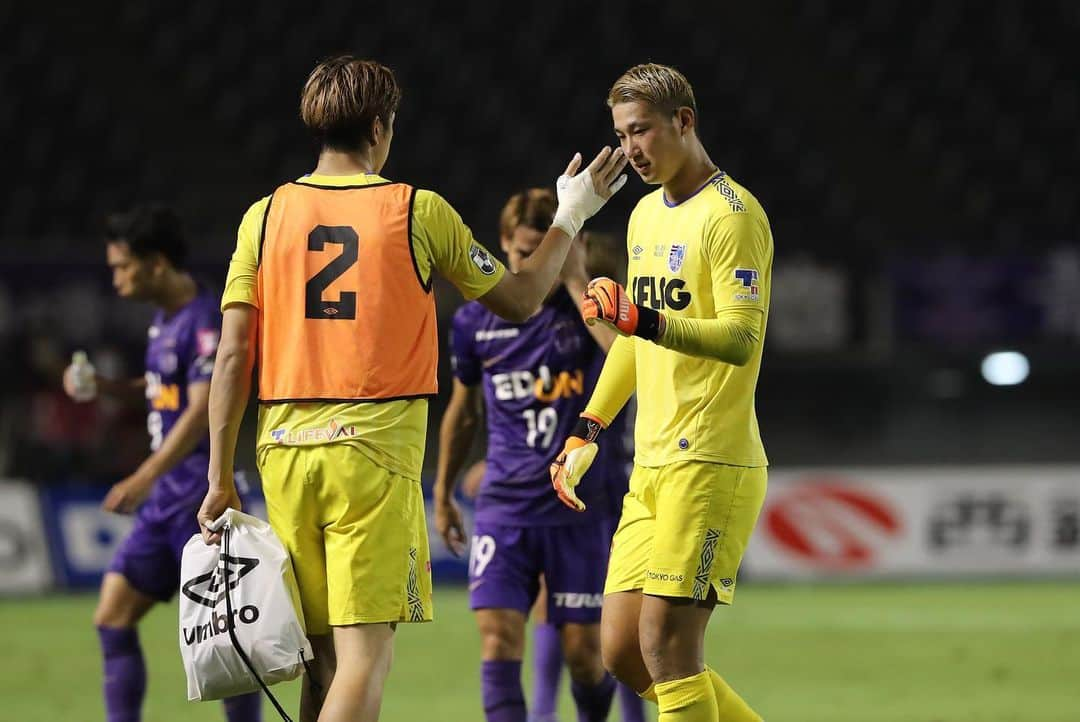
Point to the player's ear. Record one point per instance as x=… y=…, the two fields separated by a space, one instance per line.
x=685 y=120
x=159 y=264
x=504 y=243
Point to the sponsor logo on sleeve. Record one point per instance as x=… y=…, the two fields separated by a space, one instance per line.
x=748 y=277
x=482 y=259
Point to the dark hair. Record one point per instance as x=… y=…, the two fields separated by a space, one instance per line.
x=533 y=208
x=342 y=98
x=148 y=229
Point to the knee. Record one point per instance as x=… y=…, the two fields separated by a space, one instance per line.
x=620 y=656
x=113 y=616
x=583 y=660
x=501 y=639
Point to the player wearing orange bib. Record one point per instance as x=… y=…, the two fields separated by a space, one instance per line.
x=329 y=292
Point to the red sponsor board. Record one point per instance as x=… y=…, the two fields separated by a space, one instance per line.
x=918 y=521
x=830 y=523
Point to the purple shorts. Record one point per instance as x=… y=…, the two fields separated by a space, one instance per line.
x=149 y=558
x=505 y=564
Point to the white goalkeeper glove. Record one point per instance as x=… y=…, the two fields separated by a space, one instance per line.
x=577 y=456
x=581 y=195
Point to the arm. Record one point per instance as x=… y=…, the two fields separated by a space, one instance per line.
x=126 y=389
x=739 y=253
x=517 y=296
x=456 y=434
x=575 y=278
x=190 y=427
x=617 y=381
x=230 y=388
x=731 y=337
x=123 y=389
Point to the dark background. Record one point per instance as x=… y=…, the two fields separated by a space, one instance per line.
x=918 y=161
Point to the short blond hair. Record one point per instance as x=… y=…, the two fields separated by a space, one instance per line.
x=661 y=86
x=342 y=98
x=533 y=208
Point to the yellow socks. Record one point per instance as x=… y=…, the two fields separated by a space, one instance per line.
x=729 y=704
x=690 y=699
x=649 y=694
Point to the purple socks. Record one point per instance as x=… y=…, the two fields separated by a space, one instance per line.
x=125 y=681
x=500 y=682
x=125 y=674
x=593 y=701
x=547 y=661
x=244 y=708
x=630 y=704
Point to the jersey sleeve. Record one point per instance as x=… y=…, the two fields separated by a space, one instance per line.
x=444 y=243
x=463 y=359
x=617 y=381
x=739 y=255
x=206 y=334
x=241 y=284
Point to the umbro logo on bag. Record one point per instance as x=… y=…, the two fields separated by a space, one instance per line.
x=236 y=568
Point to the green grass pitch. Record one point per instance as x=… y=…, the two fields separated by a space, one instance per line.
x=984 y=652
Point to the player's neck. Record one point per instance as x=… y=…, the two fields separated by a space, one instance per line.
x=339 y=162
x=178 y=290
x=697 y=169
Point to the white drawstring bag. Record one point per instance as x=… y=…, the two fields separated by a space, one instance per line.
x=241 y=625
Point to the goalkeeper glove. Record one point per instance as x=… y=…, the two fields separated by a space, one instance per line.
x=606 y=301
x=576 y=458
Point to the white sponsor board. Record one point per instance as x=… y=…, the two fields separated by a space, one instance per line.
x=905 y=522
x=24 y=556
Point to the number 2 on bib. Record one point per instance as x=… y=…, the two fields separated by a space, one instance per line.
x=314 y=304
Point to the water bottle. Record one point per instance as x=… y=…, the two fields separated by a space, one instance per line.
x=82 y=377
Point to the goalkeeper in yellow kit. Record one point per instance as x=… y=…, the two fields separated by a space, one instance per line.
x=691 y=332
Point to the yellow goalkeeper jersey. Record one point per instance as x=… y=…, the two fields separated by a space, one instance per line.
x=692 y=260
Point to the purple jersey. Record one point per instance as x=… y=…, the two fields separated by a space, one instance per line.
x=180 y=352
x=614 y=460
x=533 y=376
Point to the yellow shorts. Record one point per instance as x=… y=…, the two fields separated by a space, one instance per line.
x=356 y=532
x=684 y=527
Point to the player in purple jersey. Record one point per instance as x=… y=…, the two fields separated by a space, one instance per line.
x=606 y=256
x=146 y=251
x=531 y=377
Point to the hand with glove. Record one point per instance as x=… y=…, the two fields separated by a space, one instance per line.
x=577 y=456
x=581 y=195
x=606 y=301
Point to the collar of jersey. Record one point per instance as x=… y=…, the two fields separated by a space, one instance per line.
x=704 y=185
x=358 y=179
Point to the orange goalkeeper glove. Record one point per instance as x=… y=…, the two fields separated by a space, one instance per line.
x=576 y=458
x=606 y=301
